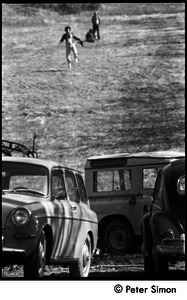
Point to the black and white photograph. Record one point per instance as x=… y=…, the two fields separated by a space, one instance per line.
x=93 y=149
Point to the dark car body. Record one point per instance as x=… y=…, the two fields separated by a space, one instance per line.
x=164 y=227
x=46 y=217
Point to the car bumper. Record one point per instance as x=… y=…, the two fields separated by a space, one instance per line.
x=13 y=256
x=172 y=247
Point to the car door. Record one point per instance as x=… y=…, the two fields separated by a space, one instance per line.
x=73 y=195
x=143 y=181
x=62 y=215
x=88 y=216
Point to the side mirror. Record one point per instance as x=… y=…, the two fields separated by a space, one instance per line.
x=181 y=185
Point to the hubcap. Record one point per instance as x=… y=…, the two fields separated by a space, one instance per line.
x=41 y=257
x=118 y=238
x=86 y=258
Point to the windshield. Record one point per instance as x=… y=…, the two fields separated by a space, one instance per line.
x=24 y=178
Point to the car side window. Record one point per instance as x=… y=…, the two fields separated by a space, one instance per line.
x=71 y=186
x=149 y=177
x=112 y=180
x=58 y=186
x=82 y=190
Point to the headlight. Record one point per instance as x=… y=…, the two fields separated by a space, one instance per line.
x=21 y=216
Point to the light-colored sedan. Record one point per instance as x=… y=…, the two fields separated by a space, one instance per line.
x=46 y=217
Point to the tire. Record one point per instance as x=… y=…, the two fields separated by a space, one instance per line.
x=81 y=268
x=149 y=265
x=118 y=237
x=147 y=246
x=161 y=265
x=35 y=263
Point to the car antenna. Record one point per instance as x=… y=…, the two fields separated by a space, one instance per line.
x=33 y=146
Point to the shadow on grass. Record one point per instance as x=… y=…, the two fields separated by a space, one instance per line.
x=46 y=71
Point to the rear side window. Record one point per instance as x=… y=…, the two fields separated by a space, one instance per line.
x=149 y=177
x=82 y=190
x=71 y=186
x=112 y=180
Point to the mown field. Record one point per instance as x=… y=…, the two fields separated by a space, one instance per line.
x=125 y=94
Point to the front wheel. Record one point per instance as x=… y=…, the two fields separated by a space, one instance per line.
x=35 y=263
x=81 y=268
x=149 y=265
x=161 y=264
x=118 y=237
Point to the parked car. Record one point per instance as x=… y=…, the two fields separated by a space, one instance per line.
x=164 y=227
x=120 y=189
x=46 y=217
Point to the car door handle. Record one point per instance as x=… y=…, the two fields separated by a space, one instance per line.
x=74 y=208
x=132 y=201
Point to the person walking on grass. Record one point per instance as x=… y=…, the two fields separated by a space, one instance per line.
x=96 y=23
x=69 y=37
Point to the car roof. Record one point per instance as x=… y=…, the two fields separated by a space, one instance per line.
x=42 y=162
x=172 y=172
x=178 y=161
x=156 y=154
x=136 y=157
x=175 y=163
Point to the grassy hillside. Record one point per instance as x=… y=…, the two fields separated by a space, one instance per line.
x=125 y=94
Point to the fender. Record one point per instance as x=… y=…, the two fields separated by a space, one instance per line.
x=147 y=244
x=160 y=222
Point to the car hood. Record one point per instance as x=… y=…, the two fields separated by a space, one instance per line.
x=11 y=201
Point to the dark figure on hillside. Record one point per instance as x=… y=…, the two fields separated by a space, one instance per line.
x=90 y=36
x=70 y=44
x=96 y=23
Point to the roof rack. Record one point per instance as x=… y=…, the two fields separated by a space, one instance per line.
x=9 y=147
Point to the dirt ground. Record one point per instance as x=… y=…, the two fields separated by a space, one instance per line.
x=105 y=266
